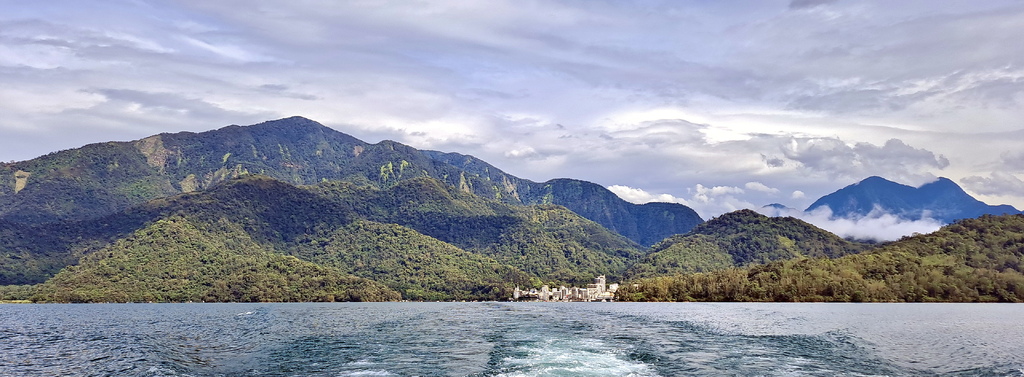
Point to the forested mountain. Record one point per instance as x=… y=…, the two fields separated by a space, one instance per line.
x=254 y=238
x=740 y=238
x=422 y=238
x=27 y=255
x=101 y=179
x=942 y=200
x=974 y=260
x=544 y=240
x=290 y=210
x=645 y=224
x=177 y=260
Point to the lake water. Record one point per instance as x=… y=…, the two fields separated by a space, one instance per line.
x=512 y=339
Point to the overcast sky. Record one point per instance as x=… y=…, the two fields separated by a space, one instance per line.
x=719 y=105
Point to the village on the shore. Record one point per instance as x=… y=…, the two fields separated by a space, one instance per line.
x=598 y=291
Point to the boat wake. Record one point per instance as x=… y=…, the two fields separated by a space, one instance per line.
x=571 y=357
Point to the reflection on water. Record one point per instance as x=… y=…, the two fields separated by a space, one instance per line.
x=512 y=339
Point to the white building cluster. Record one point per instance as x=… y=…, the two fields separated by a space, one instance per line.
x=599 y=291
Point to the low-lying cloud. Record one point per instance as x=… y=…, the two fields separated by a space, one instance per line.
x=878 y=226
x=638 y=196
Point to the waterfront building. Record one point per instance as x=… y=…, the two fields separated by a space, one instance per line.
x=598 y=291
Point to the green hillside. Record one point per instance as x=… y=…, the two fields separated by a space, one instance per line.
x=740 y=238
x=752 y=238
x=270 y=211
x=420 y=237
x=682 y=254
x=975 y=260
x=178 y=260
x=28 y=256
x=418 y=266
x=101 y=179
x=645 y=224
x=87 y=182
x=546 y=241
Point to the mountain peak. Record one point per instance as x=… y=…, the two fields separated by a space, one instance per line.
x=291 y=129
x=876 y=181
x=292 y=120
x=292 y=123
x=942 y=182
x=737 y=216
x=297 y=118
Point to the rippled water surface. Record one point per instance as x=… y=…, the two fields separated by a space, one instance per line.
x=512 y=339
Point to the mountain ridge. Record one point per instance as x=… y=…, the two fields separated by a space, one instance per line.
x=645 y=224
x=941 y=199
x=102 y=178
x=421 y=238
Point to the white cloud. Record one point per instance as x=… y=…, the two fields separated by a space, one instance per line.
x=761 y=187
x=1013 y=161
x=878 y=225
x=716 y=200
x=996 y=184
x=707 y=201
x=229 y=51
x=707 y=194
x=639 y=196
x=895 y=159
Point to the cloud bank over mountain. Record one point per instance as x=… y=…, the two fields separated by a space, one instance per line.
x=879 y=225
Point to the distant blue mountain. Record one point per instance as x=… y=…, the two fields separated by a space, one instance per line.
x=777 y=206
x=942 y=200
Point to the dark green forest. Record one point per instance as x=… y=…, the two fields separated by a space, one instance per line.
x=181 y=260
x=973 y=260
x=258 y=239
x=254 y=238
x=740 y=238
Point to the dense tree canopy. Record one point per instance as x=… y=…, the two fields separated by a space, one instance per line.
x=420 y=237
x=178 y=260
x=740 y=238
x=974 y=260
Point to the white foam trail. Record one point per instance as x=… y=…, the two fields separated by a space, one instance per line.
x=368 y=373
x=577 y=357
